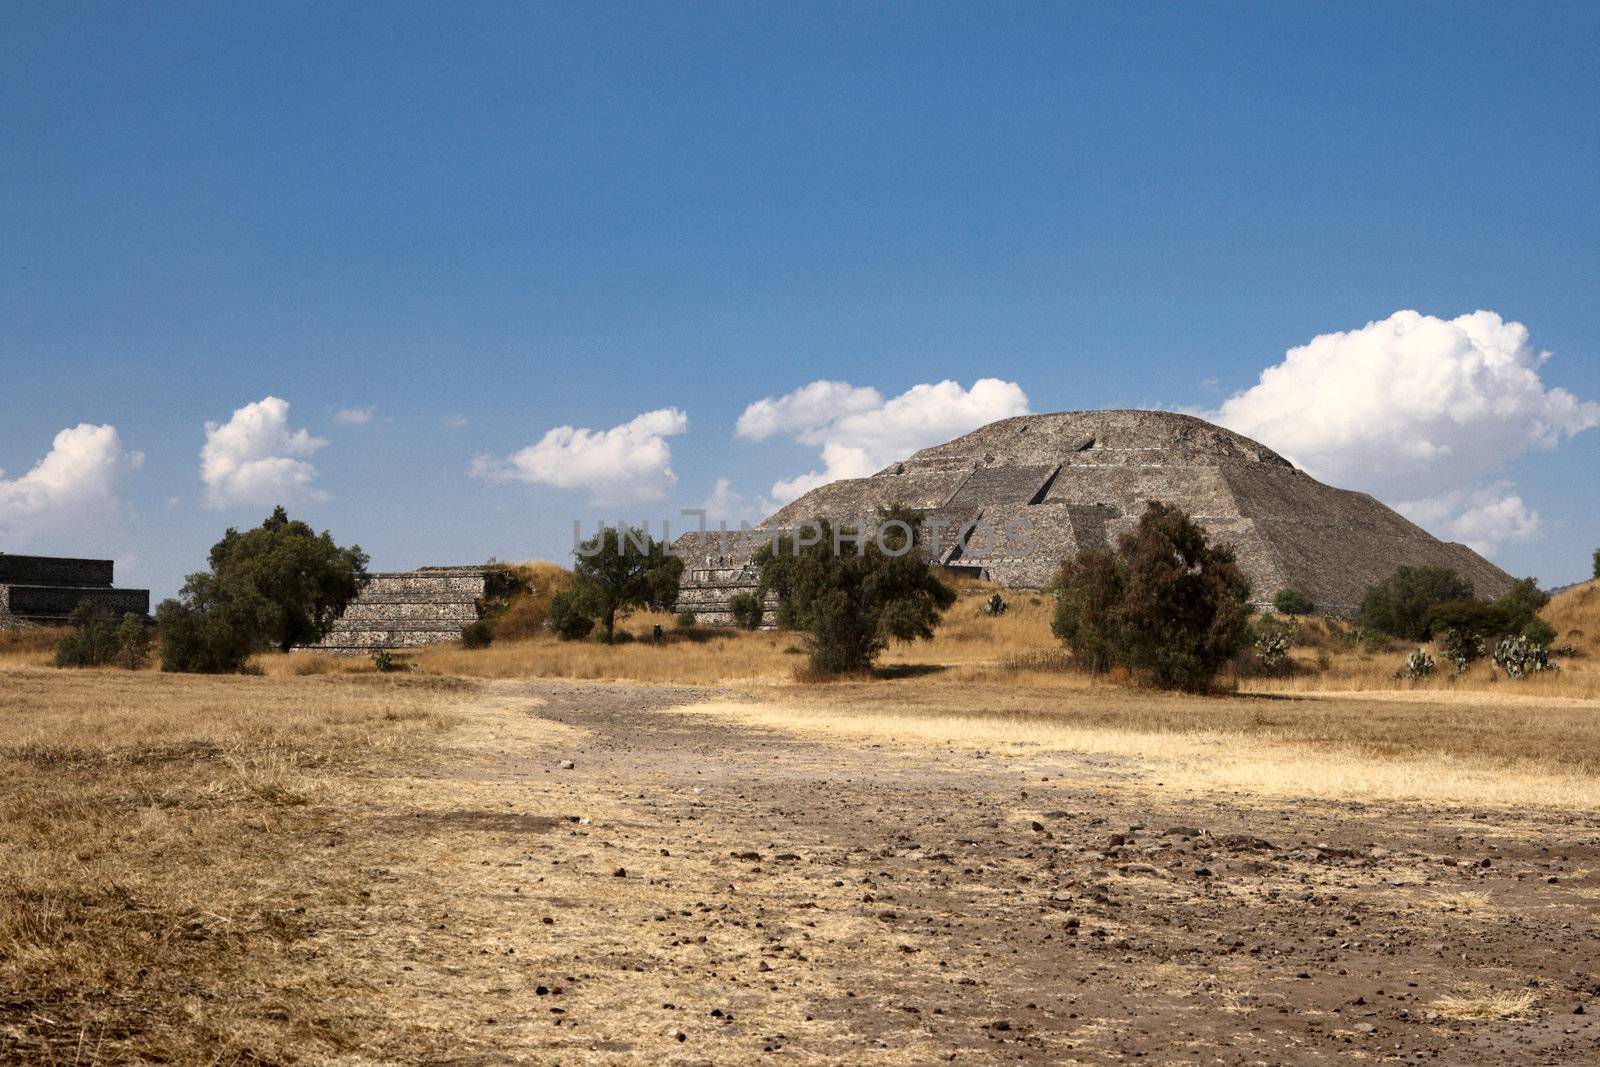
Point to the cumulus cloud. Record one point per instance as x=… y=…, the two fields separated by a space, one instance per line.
x=354 y=416
x=616 y=466
x=1417 y=409
x=859 y=432
x=1483 y=519
x=255 y=458
x=1410 y=402
x=76 y=480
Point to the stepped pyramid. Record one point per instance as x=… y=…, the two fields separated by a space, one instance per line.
x=44 y=590
x=408 y=609
x=1078 y=479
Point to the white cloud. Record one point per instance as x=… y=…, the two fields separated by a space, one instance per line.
x=255 y=458
x=1483 y=519
x=1403 y=405
x=75 y=481
x=727 y=504
x=453 y=421
x=616 y=466
x=1415 y=408
x=860 y=432
x=354 y=416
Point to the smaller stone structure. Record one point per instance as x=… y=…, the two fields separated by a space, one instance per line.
x=408 y=609
x=44 y=590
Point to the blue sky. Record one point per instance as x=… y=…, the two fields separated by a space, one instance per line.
x=486 y=225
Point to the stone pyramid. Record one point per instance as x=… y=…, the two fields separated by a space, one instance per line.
x=1036 y=488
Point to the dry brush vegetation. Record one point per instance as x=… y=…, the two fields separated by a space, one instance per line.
x=162 y=834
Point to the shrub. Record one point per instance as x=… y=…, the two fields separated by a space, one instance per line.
x=746 y=609
x=133 y=642
x=852 y=596
x=1519 y=657
x=1274 y=637
x=686 y=620
x=1419 y=664
x=1597 y=564
x=995 y=604
x=567 y=618
x=1167 y=604
x=1089 y=594
x=1539 y=632
x=92 y=641
x=384 y=660
x=477 y=634
x=1521 y=604
x=1293 y=602
x=1462 y=647
x=1401 y=604
x=202 y=637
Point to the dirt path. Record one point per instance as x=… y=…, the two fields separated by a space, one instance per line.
x=699 y=892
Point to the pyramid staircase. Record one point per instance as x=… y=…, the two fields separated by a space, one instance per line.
x=408 y=609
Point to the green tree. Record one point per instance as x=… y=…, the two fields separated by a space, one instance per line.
x=567 y=617
x=1597 y=564
x=133 y=642
x=1089 y=596
x=92 y=640
x=1293 y=602
x=276 y=586
x=747 y=610
x=1402 y=604
x=1186 y=608
x=1167 y=603
x=1520 y=605
x=853 y=592
x=617 y=571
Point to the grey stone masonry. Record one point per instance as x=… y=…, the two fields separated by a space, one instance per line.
x=44 y=590
x=1037 y=488
x=408 y=609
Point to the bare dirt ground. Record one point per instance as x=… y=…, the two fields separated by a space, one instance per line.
x=694 y=890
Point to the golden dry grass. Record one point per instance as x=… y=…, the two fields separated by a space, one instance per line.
x=1455 y=750
x=159 y=833
x=1480 y=1003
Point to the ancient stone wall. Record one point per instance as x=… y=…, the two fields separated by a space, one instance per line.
x=44 y=590
x=408 y=609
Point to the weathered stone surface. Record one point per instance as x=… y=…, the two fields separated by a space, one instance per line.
x=408 y=609
x=1039 y=487
x=44 y=590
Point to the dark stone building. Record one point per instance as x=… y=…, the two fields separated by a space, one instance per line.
x=43 y=590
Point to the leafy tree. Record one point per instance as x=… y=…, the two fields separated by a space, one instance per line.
x=1167 y=603
x=1089 y=595
x=746 y=610
x=276 y=586
x=1185 y=611
x=1597 y=564
x=568 y=619
x=97 y=638
x=202 y=633
x=1293 y=602
x=1401 y=604
x=617 y=571
x=852 y=595
x=133 y=642
x=1520 y=607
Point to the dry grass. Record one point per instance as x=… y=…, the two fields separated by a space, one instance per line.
x=1480 y=1003
x=29 y=648
x=1457 y=751
x=161 y=834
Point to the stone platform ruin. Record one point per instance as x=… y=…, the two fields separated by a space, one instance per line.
x=44 y=590
x=408 y=609
x=1081 y=479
